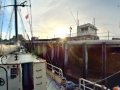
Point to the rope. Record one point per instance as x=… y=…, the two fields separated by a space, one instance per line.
x=9 y=25
x=2 y=21
x=108 y=77
x=23 y=25
x=30 y=22
x=31 y=18
x=104 y=79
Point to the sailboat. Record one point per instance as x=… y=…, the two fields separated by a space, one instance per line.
x=20 y=70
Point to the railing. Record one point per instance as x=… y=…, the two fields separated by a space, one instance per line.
x=88 y=85
x=102 y=35
x=55 y=70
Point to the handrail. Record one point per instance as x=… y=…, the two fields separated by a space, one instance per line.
x=85 y=85
x=55 y=69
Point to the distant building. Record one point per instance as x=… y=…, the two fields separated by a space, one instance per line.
x=87 y=31
x=84 y=32
x=34 y=38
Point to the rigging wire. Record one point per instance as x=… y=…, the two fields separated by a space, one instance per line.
x=9 y=25
x=31 y=19
x=30 y=22
x=2 y=21
x=2 y=27
x=73 y=16
x=23 y=25
x=28 y=16
x=104 y=79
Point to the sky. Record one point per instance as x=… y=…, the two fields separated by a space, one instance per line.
x=53 y=18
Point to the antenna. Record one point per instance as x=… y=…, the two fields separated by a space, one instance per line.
x=77 y=19
x=94 y=21
x=70 y=31
x=73 y=16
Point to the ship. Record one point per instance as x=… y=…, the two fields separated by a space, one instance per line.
x=21 y=70
x=53 y=64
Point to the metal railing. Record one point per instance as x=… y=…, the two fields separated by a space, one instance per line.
x=55 y=70
x=88 y=85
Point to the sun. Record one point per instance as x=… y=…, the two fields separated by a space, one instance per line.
x=61 y=32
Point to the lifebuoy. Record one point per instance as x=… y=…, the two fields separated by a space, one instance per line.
x=2 y=81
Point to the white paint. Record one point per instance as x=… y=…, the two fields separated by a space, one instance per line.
x=39 y=76
x=86 y=29
x=12 y=84
x=16 y=83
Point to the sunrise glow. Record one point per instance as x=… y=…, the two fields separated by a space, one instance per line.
x=61 y=32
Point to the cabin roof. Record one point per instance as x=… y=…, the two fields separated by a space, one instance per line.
x=22 y=58
x=87 y=25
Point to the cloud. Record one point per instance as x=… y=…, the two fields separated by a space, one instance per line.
x=48 y=15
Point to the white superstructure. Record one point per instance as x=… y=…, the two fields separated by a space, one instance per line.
x=86 y=29
x=22 y=71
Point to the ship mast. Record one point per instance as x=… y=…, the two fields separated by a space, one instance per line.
x=16 y=20
x=16 y=15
